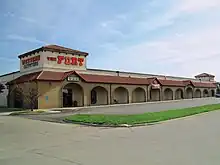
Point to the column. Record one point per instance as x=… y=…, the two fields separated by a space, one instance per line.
x=161 y=94
x=110 y=94
x=129 y=96
x=148 y=93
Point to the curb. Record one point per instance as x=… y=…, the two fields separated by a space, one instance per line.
x=23 y=114
x=110 y=126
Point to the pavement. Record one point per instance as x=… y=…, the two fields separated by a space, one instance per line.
x=192 y=140
x=126 y=109
x=151 y=106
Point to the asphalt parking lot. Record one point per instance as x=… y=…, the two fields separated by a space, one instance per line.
x=128 y=109
x=152 y=106
x=192 y=140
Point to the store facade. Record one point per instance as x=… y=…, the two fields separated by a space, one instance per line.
x=59 y=78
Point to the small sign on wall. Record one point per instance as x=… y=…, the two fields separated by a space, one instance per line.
x=155 y=86
x=73 y=78
x=31 y=62
x=46 y=98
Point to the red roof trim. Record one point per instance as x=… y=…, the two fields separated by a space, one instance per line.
x=24 y=78
x=151 y=80
x=92 y=78
x=204 y=85
x=172 y=83
x=204 y=75
x=188 y=82
x=54 y=48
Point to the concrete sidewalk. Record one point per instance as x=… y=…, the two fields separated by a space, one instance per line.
x=5 y=113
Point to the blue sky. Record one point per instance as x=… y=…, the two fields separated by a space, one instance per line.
x=173 y=37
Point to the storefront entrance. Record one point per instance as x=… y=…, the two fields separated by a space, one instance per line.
x=189 y=93
x=155 y=95
x=179 y=94
x=155 y=91
x=72 y=95
x=67 y=98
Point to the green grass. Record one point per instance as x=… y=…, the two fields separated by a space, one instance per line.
x=151 y=117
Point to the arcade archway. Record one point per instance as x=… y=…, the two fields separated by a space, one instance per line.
x=189 y=93
x=179 y=94
x=99 y=96
x=72 y=95
x=120 y=95
x=168 y=94
x=198 y=93
x=138 y=95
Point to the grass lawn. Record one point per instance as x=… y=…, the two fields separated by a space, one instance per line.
x=150 y=117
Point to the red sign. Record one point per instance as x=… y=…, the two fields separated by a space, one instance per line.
x=67 y=60
x=51 y=58
x=31 y=60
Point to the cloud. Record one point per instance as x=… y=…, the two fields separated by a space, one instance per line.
x=121 y=17
x=25 y=39
x=107 y=23
x=30 y=20
x=7 y=59
x=194 y=52
x=188 y=48
x=198 y=5
x=109 y=46
x=8 y=14
x=170 y=37
x=35 y=22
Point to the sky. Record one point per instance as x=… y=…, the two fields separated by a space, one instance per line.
x=172 y=37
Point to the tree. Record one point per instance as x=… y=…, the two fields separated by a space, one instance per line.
x=2 y=88
x=28 y=93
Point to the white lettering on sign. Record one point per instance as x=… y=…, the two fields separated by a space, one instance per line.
x=73 y=78
x=31 y=62
x=155 y=86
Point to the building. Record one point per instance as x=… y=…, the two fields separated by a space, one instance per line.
x=58 y=77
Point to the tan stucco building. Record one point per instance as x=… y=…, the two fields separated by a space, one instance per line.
x=58 y=77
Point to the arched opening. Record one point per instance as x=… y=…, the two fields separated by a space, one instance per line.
x=179 y=94
x=189 y=93
x=72 y=95
x=99 y=96
x=218 y=91
x=120 y=95
x=168 y=94
x=138 y=95
x=155 y=94
x=213 y=93
x=198 y=93
x=205 y=93
x=93 y=96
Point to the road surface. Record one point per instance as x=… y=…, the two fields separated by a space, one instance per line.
x=187 y=141
x=129 y=109
x=152 y=106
